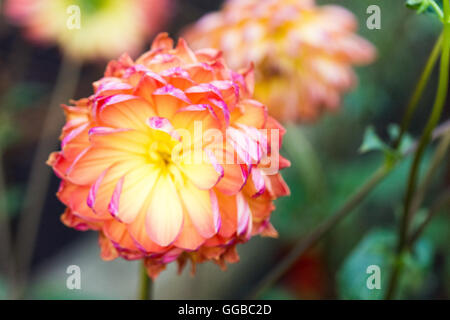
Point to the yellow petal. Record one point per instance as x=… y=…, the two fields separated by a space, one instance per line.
x=165 y=213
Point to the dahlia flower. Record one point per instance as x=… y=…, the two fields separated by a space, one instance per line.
x=170 y=159
x=90 y=29
x=303 y=53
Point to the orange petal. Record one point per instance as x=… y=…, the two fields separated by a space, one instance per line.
x=252 y=113
x=92 y=162
x=148 y=84
x=182 y=50
x=118 y=234
x=75 y=197
x=234 y=178
x=168 y=100
x=108 y=146
x=59 y=163
x=125 y=111
x=75 y=141
x=228 y=214
x=276 y=186
x=162 y=42
x=139 y=233
x=189 y=238
x=108 y=252
x=199 y=207
x=102 y=189
x=73 y=221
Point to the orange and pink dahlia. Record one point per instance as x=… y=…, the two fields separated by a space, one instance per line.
x=90 y=29
x=303 y=53
x=170 y=159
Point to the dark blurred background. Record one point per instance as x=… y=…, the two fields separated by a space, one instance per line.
x=327 y=168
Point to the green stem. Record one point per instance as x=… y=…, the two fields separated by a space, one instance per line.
x=438 y=157
x=425 y=139
x=419 y=89
x=437 y=9
x=146 y=284
x=446 y=12
x=442 y=200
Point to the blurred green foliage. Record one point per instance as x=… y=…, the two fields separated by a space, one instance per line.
x=278 y=293
x=3 y=289
x=23 y=95
x=378 y=249
x=56 y=291
x=13 y=198
x=16 y=99
x=8 y=131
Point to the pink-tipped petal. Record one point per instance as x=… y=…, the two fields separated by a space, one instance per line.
x=243 y=214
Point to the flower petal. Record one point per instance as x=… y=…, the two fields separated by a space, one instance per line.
x=90 y=164
x=199 y=207
x=103 y=188
x=168 y=100
x=125 y=111
x=228 y=214
x=189 y=238
x=252 y=113
x=138 y=233
x=165 y=213
x=202 y=169
x=132 y=191
x=243 y=214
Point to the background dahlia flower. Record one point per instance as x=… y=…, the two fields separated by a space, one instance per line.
x=120 y=176
x=303 y=53
x=107 y=27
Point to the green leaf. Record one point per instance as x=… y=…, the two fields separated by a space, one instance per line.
x=422 y=6
x=372 y=142
x=378 y=249
x=407 y=141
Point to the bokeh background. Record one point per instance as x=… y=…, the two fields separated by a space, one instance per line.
x=326 y=169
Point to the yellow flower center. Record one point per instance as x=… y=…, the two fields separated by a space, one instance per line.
x=160 y=153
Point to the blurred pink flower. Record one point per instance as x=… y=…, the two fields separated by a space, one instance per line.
x=303 y=53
